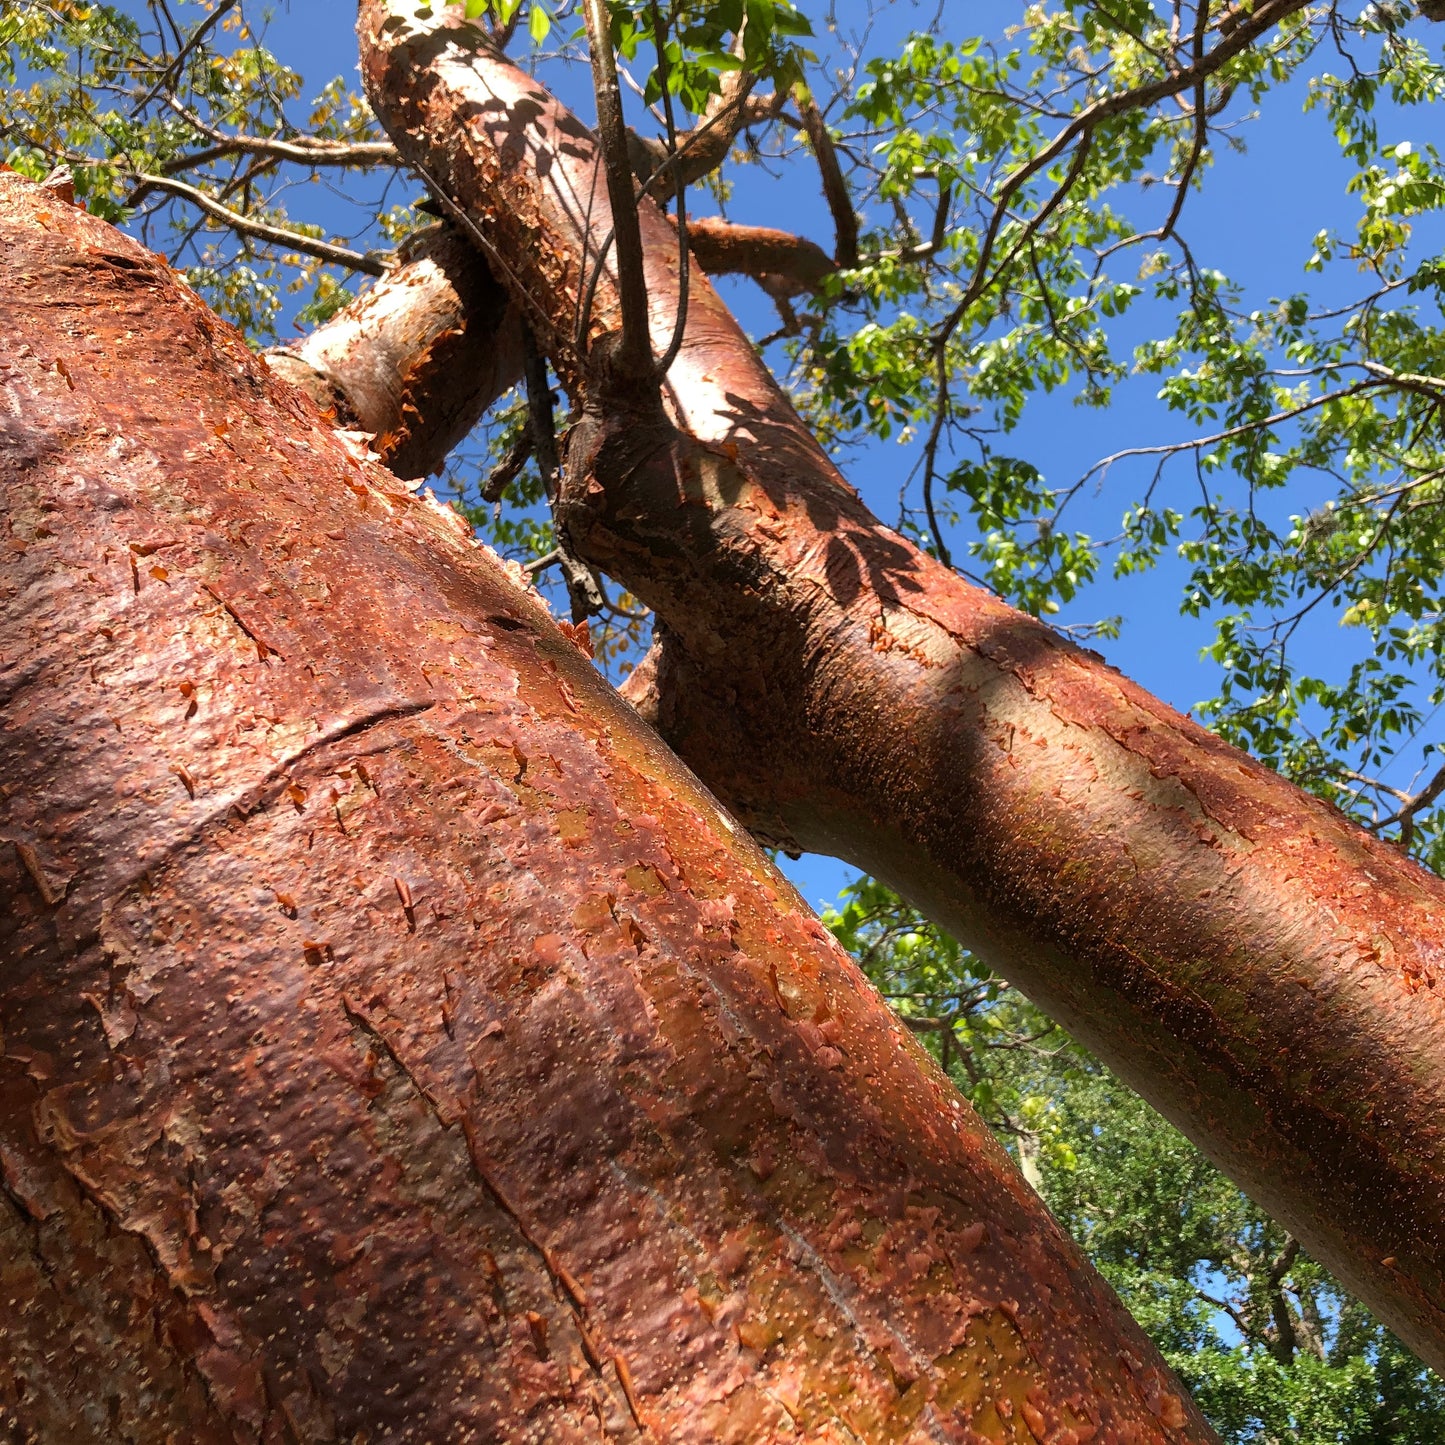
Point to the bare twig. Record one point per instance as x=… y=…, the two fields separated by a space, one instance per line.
x=1198 y=443
x=634 y=354
x=679 y=325
x=702 y=149
x=507 y=470
x=583 y=589
x=1406 y=816
x=1201 y=128
x=305 y=149
x=930 y=451
x=262 y=231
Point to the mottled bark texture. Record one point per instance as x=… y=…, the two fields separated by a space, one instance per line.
x=415 y=359
x=785 y=264
x=398 y=1044
x=1259 y=968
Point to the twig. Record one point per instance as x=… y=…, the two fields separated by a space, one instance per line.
x=261 y=231
x=679 y=325
x=930 y=451
x=540 y=564
x=506 y=471
x=583 y=589
x=666 y=166
x=703 y=148
x=173 y=69
x=634 y=354
x=1172 y=448
x=308 y=150
x=1201 y=129
x=1406 y=816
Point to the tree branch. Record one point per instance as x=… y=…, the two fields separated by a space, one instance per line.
x=703 y=149
x=1283 y=1342
x=634 y=354
x=510 y=467
x=835 y=188
x=1168 y=449
x=262 y=231
x=723 y=248
x=1412 y=805
x=306 y=150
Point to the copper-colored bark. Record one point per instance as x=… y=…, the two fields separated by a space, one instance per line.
x=397 y=1043
x=416 y=358
x=1263 y=971
x=792 y=263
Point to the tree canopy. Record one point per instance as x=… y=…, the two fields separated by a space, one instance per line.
x=1006 y=221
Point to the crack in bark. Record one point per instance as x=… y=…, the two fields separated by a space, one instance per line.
x=30 y=1222
x=258 y=791
x=188 y=1364
x=564 y=1285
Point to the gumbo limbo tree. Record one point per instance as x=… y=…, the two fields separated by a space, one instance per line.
x=398 y=1040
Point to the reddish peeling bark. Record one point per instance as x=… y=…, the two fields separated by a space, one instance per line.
x=397 y=1043
x=1260 y=969
x=791 y=265
x=415 y=359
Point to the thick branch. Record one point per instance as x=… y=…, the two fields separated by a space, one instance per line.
x=793 y=264
x=417 y=358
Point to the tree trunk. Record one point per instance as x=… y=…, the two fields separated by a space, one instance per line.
x=397 y=1043
x=1260 y=969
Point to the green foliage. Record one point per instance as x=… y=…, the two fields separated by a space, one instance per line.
x=699 y=47
x=1270 y=1346
x=699 y=40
